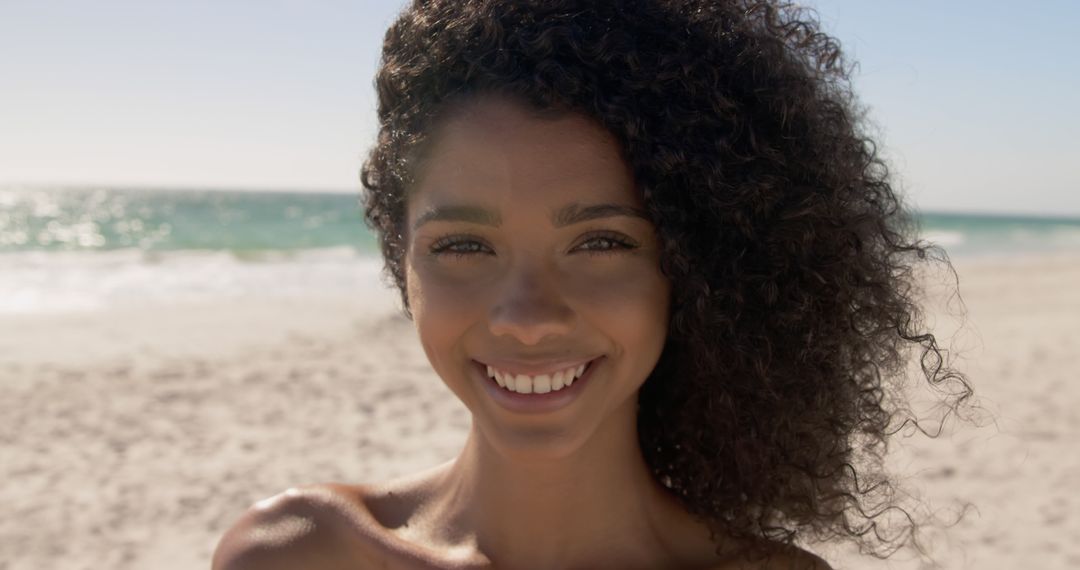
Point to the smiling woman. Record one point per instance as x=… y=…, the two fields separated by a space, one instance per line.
x=556 y=274
x=647 y=247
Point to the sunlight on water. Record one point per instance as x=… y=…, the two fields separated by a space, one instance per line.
x=68 y=220
x=100 y=219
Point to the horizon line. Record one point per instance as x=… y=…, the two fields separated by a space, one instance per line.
x=918 y=211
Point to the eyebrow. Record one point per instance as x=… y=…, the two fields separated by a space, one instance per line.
x=576 y=213
x=471 y=214
x=565 y=216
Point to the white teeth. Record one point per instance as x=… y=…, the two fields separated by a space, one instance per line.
x=523 y=384
x=557 y=381
x=492 y=373
x=542 y=384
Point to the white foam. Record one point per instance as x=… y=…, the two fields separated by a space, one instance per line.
x=65 y=282
x=1067 y=236
x=945 y=238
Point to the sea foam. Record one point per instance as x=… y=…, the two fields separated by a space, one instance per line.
x=40 y=282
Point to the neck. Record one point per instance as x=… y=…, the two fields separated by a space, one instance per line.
x=572 y=509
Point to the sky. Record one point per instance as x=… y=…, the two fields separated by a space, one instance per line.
x=975 y=104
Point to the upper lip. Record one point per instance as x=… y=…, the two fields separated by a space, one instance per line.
x=535 y=367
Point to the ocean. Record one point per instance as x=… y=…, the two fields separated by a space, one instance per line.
x=87 y=249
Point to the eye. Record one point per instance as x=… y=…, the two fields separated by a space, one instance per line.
x=459 y=246
x=606 y=243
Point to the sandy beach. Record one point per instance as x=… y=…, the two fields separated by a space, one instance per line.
x=132 y=439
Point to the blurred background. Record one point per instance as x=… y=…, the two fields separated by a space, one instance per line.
x=136 y=127
x=179 y=225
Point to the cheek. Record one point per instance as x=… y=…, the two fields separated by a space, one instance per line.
x=631 y=303
x=442 y=294
x=442 y=311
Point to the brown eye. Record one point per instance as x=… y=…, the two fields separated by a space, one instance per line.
x=605 y=243
x=460 y=246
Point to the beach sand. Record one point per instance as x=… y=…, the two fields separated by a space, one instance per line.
x=133 y=439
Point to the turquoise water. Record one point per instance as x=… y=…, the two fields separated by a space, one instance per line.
x=64 y=250
x=982 y=235
x=174 y=220
x=79 y=250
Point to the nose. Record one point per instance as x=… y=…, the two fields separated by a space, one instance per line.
x=530 y=307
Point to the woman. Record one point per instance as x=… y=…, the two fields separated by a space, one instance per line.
x=647 y=246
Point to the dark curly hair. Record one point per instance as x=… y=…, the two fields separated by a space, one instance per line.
x=795 y=301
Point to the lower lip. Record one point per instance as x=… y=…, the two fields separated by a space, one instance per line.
x=534 y=403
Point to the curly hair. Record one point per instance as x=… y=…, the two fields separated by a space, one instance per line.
x=795 y=302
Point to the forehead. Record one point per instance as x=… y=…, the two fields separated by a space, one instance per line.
x=493 y=149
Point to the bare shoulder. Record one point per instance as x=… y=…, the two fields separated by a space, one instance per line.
x=776 y=557
x=787 y=557
x=798 y=559
x=333 y=526
x=318 y=527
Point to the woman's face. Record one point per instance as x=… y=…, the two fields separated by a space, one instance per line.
x=528 y=251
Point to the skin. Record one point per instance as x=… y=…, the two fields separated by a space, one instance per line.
x=504 y=266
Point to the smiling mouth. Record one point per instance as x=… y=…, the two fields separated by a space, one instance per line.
x=540 y=383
